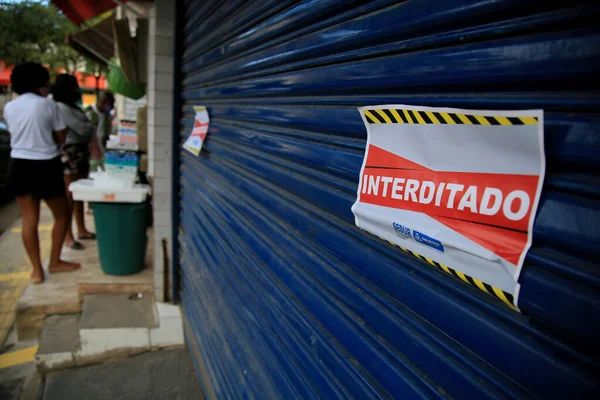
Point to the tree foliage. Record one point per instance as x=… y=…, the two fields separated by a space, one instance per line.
x=35 y=31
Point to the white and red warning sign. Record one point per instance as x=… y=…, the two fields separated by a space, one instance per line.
x=194 y=142
x=458 y=188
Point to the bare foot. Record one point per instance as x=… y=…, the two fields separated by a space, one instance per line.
x=63 y=266
x=37 y=277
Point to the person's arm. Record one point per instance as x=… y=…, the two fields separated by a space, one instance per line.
x=95 y=151
x=77 y=122
x=60 y=136
x=59 y=128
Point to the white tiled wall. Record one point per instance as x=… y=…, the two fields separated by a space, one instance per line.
x=160 y=121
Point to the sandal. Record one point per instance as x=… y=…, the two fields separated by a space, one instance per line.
x=92 y=236
x=76 y=246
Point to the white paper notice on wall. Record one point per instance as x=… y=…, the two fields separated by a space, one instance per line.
x=458 y=189
x=194 y=142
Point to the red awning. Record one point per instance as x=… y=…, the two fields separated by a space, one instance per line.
x=89 y=81
x=86 y=81
x=5 y=74
x=80 y=11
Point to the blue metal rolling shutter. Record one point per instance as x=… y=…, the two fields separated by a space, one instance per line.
x=283 y=296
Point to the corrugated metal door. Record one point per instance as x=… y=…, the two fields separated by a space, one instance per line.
x=283 y=296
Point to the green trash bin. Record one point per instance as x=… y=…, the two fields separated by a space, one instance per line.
x=121 y=234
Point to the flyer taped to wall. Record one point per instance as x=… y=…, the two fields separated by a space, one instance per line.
x=458 y=189
x=194 y=142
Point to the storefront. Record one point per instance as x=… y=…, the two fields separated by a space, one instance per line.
x=283 y=295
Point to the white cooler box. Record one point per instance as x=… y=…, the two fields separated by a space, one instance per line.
x=86 y=190
x=105 y=179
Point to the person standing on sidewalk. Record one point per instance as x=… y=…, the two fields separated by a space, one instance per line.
x=35 y=172
x=75 y=151
x=99 y=114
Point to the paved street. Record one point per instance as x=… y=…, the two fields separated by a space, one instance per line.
x=19 y=378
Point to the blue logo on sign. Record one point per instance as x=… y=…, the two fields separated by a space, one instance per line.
x=428 y=241
x=401 y=231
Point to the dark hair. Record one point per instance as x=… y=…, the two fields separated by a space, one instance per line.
x=66 y=89
x=108 y=96
x=29 y=77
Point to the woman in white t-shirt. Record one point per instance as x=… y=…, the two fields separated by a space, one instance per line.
x=35 y=171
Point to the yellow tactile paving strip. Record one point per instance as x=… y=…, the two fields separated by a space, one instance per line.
x=41 y=228
x=13 y=276
x=18 y=357
x=15 y=268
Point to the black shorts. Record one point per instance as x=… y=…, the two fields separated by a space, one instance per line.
x=42 y=179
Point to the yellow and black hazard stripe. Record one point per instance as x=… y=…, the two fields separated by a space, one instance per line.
x=403 y=116
x=499 y=294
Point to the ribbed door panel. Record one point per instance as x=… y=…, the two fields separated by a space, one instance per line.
x=283 y=296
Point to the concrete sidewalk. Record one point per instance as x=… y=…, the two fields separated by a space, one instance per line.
x=83 y=318
x=63 y=293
